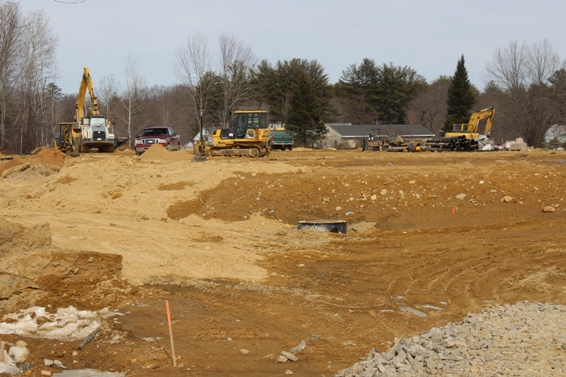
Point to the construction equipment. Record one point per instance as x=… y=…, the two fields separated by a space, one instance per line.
x=93 y=131
x=248 y=137
x=470 y=130
x=376 y=141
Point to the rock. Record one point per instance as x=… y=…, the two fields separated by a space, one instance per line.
x=20 y=354
x=59 y=364
x=548 y=209
x=461 y=196
x=288 y=371
x=338 y=208
x=374 y=197
x=244 y=351
x=300 y=347
x=507 y=199
x=383 y=192
x=289 y=356
x=474 y=345
x=281 y=359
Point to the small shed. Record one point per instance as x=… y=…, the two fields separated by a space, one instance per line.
x=350 y=136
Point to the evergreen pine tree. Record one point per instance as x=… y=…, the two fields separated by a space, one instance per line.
x=461 y=97
x=304 y=118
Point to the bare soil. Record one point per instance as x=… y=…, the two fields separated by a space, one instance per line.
x=219 y=240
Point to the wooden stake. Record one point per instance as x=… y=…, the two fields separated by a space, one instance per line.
x=171 y=333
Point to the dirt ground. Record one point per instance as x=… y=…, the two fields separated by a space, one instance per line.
x=430 y=237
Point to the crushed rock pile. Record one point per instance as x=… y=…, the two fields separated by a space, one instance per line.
x=525 y=339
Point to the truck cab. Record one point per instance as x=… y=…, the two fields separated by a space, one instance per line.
x=164 y=136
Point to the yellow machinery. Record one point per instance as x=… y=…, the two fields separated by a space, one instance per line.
x=248 y=137
x=92 y=131
x=470 y=130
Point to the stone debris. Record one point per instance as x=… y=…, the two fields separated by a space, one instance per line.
x=507 y=199
x=19 y=353
x=525 y=339
x=87 y=373
x=57 y=363
x=300 y=347
x=548 y=209
x=289 y=356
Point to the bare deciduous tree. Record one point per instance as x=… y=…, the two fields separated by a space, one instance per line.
x=108 y=93
x=37 y=70
x=132 y=97
x=429 y=107
x=193 y=68
x=236 y=60
x=10 y=29
x=522 y=72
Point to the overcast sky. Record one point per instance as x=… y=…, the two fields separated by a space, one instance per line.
x=427 y=35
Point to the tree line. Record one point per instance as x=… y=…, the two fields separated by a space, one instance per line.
x=527 y=86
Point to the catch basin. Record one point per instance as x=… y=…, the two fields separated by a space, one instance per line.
x=332 y=226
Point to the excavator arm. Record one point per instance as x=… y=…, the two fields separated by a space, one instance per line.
x=471 y=129
x=479 y=115
x=86 y=84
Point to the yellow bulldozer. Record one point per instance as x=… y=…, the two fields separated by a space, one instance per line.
x=248 y=136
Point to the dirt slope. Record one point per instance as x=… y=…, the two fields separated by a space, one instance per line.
x=431 y=237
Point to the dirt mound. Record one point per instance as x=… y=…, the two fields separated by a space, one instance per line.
x=50 y=156
x=45 y=162
x=157 y=152
x=32 y=273
x=15 y=237
x=124 y=150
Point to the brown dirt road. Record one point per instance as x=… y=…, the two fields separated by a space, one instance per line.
x=218 y=239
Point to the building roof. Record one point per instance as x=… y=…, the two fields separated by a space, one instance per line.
x=403 y=130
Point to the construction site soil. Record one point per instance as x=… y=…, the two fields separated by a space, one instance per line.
x=430 y=237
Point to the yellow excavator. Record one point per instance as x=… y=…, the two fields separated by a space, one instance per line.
x=249 y=137
x=470 y=130
x=93 y=131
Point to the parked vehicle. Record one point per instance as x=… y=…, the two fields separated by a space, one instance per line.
x=164 y=136
x=281 y=139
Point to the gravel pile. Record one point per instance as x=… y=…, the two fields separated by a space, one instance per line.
x=523 y=339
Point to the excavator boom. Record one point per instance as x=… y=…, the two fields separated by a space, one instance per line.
x=471 y=129
x=86 y=84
